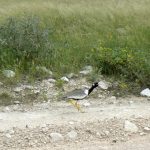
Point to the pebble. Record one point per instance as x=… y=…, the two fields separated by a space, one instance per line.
x=8 y=135
x=56 y=137
x=6 y=109
x=16 y=102
x=147 y=129
x=65 y=79
x=130 y=127
x=72 y=135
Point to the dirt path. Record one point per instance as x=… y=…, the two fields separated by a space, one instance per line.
x=90 y=126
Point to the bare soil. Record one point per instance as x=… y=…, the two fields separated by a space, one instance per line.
x=100 y=127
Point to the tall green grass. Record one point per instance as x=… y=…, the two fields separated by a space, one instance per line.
x=65 y=35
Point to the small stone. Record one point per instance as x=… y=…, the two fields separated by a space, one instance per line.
x=130 y=127
x=107 y=133
x=72 y=135
x=51 y=80
x=145 y=92
x=11 y=131
x=146 y=129
x=9 y=73
x=142 y=133
x=6 y=109
x=85 y=72
x=36 y=91
x=131 y=102
x=56 y=137
x=8 y=135
x=18 y=89
x=30 y=87
x=86 y=104
x=113 y=98
x=16 y=102
x=1 y=83
x=104 y=85
x=65 y=79
x=71 y=122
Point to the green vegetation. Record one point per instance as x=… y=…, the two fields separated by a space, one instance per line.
x=65 y=35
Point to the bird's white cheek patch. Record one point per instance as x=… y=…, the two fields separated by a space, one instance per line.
x=86 y=92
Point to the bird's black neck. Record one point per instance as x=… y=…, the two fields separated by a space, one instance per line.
x=91 y=89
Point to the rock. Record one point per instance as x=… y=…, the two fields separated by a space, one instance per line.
x=71 y=122
x=11 y=131
x=104 y=85
x=6 y=109
x=47 y=84
x=113 y=98
x=16 y=102
x=9 y=73
x=65 y=79
x=36 y=91
x=146 y=129
x=8 y=135
x=72 y=135
x=44 y=69
x=142 y=133
x=30 y=87
x=18 y=89
x=130 y=127
x=84 y=103
x=106 y=132
x=71 y=75
x=51 y=80
x=56 y=137
x=1 y=84
x=86 y=70
x=131 y=102
x=145 y=92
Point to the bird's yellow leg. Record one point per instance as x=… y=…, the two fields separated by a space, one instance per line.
x=73 y=102
x=79 y=108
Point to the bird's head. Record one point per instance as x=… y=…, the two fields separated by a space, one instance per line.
x=95 y=84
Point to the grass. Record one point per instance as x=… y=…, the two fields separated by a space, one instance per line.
x=65 y=35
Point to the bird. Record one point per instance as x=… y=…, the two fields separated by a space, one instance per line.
x=79 y=94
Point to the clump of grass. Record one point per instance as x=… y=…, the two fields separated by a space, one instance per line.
x=5 y=99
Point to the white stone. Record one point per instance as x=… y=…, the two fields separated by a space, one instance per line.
x=18 y=89
x=113 y=98
x=72 y=135
x=8 y=135
x=11 y=131
x=104 y=85
x=106 y=132
x=65 y=79
x=6 y=109
x=130 y=127
x=16 y=102
x=1 y=83
x=147 y=129
x=9 y=73
x=145 y=92
x=56 y=137
x=85 y=72
x=86 y=104
x=71 y=122
x=51 y=80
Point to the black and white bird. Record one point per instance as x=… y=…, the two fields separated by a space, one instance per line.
x=79 y=94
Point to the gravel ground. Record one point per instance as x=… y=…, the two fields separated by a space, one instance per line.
x=101 y=127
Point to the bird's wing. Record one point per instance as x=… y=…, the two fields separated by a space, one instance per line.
x=76 y=94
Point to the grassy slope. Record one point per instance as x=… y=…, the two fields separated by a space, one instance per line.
x=80 y=25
